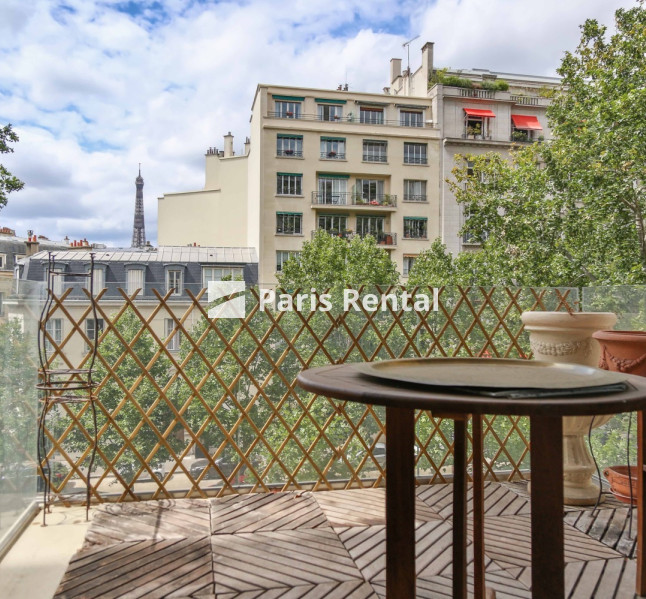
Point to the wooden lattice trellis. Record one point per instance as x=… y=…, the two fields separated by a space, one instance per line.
x=229 y=392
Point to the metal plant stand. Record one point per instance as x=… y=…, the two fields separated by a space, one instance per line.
x=64 y=385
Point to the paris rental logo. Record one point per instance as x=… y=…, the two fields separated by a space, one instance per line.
x=229 y=299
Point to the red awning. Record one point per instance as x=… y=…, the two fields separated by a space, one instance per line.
x=523 y=121
x=478 y=112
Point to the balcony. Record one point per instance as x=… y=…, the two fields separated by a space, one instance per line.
x=289 y=153
x=333 y=155
x=375 y=157
x=382 y=237
x=283 y=473
x=354 y=119
x=349 y=198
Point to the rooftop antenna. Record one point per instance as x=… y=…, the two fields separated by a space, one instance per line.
x=407 y=46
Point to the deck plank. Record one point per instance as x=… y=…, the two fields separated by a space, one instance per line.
x=331 y=544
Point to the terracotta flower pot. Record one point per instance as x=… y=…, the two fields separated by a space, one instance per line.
x=623 y=351
x=619 y=486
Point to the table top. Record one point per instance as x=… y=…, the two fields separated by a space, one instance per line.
x=345 y=382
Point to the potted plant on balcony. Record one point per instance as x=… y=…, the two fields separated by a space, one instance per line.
x=519 y=136
x=388 y=200
x=331 y=154
x=288 y=152
x=289 y=113
x=475 y=132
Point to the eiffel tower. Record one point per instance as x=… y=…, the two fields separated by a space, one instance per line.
x=139 y=228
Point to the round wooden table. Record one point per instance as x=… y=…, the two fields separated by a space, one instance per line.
x=401 y=400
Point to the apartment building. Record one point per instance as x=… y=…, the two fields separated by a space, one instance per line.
x=349 y=163
x=354 y=163
x=478 y=111
x=145 y=272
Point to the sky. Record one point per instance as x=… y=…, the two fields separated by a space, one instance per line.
x=93 y=88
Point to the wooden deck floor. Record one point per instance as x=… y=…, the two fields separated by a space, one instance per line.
x=329 y=545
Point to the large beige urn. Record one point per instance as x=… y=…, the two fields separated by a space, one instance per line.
x=567 y=338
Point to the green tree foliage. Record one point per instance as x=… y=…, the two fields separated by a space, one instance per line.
x=328 y=261
x=8 y=182
x=130 y=394
x=571 y=211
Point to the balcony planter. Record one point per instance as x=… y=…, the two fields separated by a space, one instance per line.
x=289 y=113
x=331 y=154
x=619 y=486
x=568 y=339
x=623 y=351
x=289 y=152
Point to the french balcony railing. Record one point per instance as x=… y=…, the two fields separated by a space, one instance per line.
x=415 y=160
x=415 y=197
x=342 y=233
x=353 y=118
x=290 y=153
x=374 y=157
x=349 y=198
x=333 y=155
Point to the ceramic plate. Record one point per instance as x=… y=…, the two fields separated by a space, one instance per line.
x=485 y=373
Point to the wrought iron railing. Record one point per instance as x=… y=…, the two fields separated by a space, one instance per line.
x=352 y=198
x=355 y=118
x=223 y=414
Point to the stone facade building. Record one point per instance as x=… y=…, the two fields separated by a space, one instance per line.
x=355 y=163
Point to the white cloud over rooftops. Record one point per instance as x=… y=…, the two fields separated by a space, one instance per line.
x=93 y=88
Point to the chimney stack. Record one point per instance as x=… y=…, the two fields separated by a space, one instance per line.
x=427 y=59
x=247 y=146
x=228 y=145
x=395 y=69
x=32 y=245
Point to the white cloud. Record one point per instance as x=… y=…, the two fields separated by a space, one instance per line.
x=93 y=91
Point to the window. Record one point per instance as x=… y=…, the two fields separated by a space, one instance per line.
x=54 y=328
x=408 y=264
x=93 y=330
x=469 y=237
x=411 y=118
x=288 y=109
x=289 y=184
x=169 y=327
x=333 y=223
x=289 y=223
x=523 y=126
x=370 y=191
x=373 y=116
x=98 y=279
x=290 y=146
x=17 y=257
x=174 y=280
x=332 y=190
x=370 y=225
x=221 y=273
x=415 y=228
x=3 y=260
x=56 y=280
x=1 y=303
x=329 y=112
x=414 y=153
x=476 y=123
x=282 y=256
x=414 y=190
x=135 y=280
x=333 y=148
x=374 y=151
